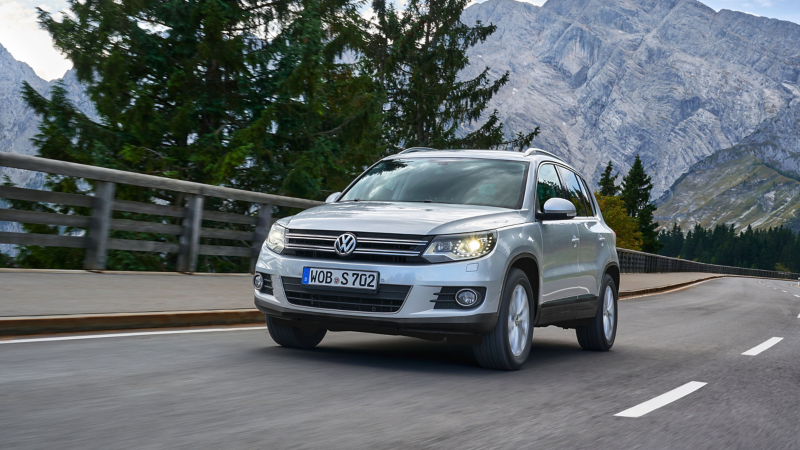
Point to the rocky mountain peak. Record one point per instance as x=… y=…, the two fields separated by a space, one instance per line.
x=671 y=80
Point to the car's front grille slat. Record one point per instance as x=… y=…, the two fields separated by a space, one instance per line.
x=388 y=299
x=372 y=247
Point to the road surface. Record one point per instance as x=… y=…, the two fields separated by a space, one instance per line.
x=235 y=389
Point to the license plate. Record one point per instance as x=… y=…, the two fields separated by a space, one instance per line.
x=351 y=279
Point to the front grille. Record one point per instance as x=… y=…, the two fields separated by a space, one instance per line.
x=446 y=297
x=267 y=287
x=370 y=247
x=388 y=299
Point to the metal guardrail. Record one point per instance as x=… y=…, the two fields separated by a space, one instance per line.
x=631 y=261
x=103 y=203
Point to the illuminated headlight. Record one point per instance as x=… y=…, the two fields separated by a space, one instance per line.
x=460 y=247
x=276 y=240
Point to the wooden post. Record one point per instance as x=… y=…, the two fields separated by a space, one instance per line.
x=190 y=239
x=263 y=222
x=95 y=257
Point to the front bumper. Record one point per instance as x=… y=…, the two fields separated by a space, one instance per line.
x=417 y=317
x=427 y=328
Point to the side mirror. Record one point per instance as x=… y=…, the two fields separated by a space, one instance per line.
x=557 y=209
x=332 y=198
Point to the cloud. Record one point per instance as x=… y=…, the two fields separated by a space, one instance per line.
x=21 y=36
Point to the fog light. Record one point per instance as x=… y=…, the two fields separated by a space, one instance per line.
x=258 y=281
x=466 y=297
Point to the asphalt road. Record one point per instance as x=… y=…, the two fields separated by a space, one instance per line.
x=236 y=389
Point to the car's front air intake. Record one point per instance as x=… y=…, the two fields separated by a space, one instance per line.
x=388 y=299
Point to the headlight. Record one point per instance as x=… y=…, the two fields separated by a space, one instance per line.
x=276 y=239
x=458 y=247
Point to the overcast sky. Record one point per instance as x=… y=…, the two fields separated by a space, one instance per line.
x=20 y=34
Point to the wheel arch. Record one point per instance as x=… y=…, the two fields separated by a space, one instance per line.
x=528 y=264
x=612 y=269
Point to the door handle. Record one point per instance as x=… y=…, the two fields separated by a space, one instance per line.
x=575 y=241
x=602 y=241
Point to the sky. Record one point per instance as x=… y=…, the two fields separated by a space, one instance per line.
x=22 y=37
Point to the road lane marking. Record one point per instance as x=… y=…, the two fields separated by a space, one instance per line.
x=662 y=400
x=116 y=335
x=796 y=295
x=784 y=291
x=761 y=347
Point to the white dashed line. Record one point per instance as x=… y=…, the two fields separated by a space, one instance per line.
x=784 y=291
x=116 y=335
x=761 y=347
x=796 y=295
x=662 y=400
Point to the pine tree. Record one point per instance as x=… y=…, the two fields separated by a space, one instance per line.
x=636 y=187
x=186 y=89
x=417 y=55
x=608 y=187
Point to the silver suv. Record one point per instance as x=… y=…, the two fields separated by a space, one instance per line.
x=472 y=246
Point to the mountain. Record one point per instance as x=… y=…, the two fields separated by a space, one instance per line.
x=18 y=123
x=671 y=80
x=756 y=182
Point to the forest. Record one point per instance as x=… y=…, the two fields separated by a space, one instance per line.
x=769 y=249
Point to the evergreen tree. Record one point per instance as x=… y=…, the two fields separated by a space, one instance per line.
x=417 y=54
x=608 y=188
x=186 y=89
x=636 y=187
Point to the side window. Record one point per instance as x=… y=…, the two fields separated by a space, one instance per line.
x=574 y=194
x=587 y=197
x=548 y=185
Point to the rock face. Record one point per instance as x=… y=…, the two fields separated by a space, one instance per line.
x=18 y=123
x=753 y=183
x=671 y=80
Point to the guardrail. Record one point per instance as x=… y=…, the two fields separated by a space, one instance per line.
x=97 y=242
x=189 y=230
x=631 y=261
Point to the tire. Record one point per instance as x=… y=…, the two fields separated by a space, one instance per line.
x=496 y=351
x=293 y=337
x=597 y=336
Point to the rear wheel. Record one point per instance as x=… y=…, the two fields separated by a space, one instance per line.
x=602 y=332
x=294 y=337
x=508 y=345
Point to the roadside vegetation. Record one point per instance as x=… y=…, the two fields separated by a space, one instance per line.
x=290 y=97
x=627 y=208
x=770 y=249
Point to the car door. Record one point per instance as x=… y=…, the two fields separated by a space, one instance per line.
x=560 y=252
x=591 y=237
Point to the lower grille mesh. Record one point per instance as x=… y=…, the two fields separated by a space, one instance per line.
x=389 y=298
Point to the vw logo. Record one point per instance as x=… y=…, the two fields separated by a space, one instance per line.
x=345 y=244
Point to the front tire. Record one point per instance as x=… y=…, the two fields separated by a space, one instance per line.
x=508 y=345
x=288 y=336
x=601 y=333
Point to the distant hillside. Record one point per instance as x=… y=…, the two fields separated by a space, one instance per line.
x=753 y=183
x=18 y=123
x=672 y=80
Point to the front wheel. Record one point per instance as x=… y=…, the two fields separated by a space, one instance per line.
x=289 y=336
x=508 y=345
x=601 y=333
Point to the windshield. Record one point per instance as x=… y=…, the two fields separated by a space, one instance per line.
x=485 y=182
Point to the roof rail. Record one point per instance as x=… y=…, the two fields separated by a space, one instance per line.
x=531 y=151
x=417 y=149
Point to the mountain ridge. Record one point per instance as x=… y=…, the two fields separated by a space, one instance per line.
x=755 y=182
x=672 y=80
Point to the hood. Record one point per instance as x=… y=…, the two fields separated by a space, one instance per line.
x=403 y=218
